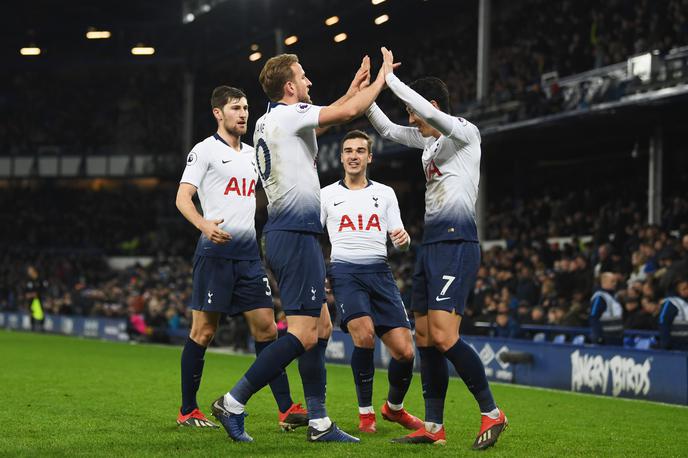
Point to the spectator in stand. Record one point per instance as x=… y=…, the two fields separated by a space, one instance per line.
x=674 y=313
x=606 y=312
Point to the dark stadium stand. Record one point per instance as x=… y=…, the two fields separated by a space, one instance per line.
x=553 y=221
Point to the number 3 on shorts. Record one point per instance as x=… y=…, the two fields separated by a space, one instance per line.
x=268 y=291
x=449 y=279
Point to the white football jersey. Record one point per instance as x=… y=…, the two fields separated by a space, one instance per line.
x=226 y=182
x=451 y=164
x=358 y=221
x=287 y=154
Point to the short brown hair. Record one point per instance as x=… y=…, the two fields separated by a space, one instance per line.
x=223 y=94
x=275 y=74
x=358 y=134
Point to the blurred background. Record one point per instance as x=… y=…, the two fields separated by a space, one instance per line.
x=582 y=107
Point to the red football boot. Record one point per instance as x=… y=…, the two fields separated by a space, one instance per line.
x=402 y=417
x=294 y=417
x=367 y=423
x=195 y=419
x=422 y=436
x=489 y=431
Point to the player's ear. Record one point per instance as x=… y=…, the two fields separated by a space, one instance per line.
x=289 y=88
x=370 y=157
x=217 y=113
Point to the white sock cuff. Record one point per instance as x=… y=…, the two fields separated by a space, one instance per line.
x=396 y=407
x=365 y=410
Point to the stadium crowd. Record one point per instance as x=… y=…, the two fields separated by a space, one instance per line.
x=563 y=36
x=524 y=279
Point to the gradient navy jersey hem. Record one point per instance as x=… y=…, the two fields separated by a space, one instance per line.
x=339 y=267
x=433 y=233
x=237 y=248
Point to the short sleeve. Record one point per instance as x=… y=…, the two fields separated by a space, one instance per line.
x=304 y=116
x=196 y=167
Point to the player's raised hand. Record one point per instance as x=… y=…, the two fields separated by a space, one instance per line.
x=388 y=64
x=400 y=238
x=211 y=229
x=361 y=78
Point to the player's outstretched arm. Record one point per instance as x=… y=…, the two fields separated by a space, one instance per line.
x=210 y=228
x=409 y=136
x=427 y=111
x=353 y=107
x=361 y=81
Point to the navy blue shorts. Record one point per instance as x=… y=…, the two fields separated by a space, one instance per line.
x=445 y=274
x=373 y=294
x=297 y=261
x=229 y=286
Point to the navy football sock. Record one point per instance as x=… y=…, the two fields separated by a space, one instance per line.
x=471 y=370
x=363 y=367
x=434 y=376
x=399 y=376
x=280 y=385
x=192 y=370
x=314 y=379
x=268 y=365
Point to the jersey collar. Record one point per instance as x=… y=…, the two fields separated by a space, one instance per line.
x=272 y=105
x=341 y=183
x=217 y=137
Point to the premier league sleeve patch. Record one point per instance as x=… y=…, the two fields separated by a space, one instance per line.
x=191 y=158
x=302 y=107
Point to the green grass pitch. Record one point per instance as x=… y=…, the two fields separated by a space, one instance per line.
x=74 y=397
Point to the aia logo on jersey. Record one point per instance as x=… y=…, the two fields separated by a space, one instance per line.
x=431 y=170
x=246 y=190
x=347 y=223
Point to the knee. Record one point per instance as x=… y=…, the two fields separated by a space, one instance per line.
x=362 y=335
x=203 y=335
x=406 y=355
x=442 y=341
x=265 y=332
x=307 y=339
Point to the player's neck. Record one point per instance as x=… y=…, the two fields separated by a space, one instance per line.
x=289 y=100
x=355 y=181
x=233 y=141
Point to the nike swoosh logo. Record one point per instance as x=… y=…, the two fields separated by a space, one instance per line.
x=318 y=436
x=224 y=162
x=440 y=299
x=337 y=203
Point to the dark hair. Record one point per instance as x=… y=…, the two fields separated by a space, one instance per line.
x=223 y=94
x=275 y=74
x=432 y=88
x=358 y=134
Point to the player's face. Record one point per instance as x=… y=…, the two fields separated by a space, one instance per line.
x=415 y=121
x=302 y=84
x=234 y=116
x=356 y=156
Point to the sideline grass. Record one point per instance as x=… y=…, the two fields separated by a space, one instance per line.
x=75 y=397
